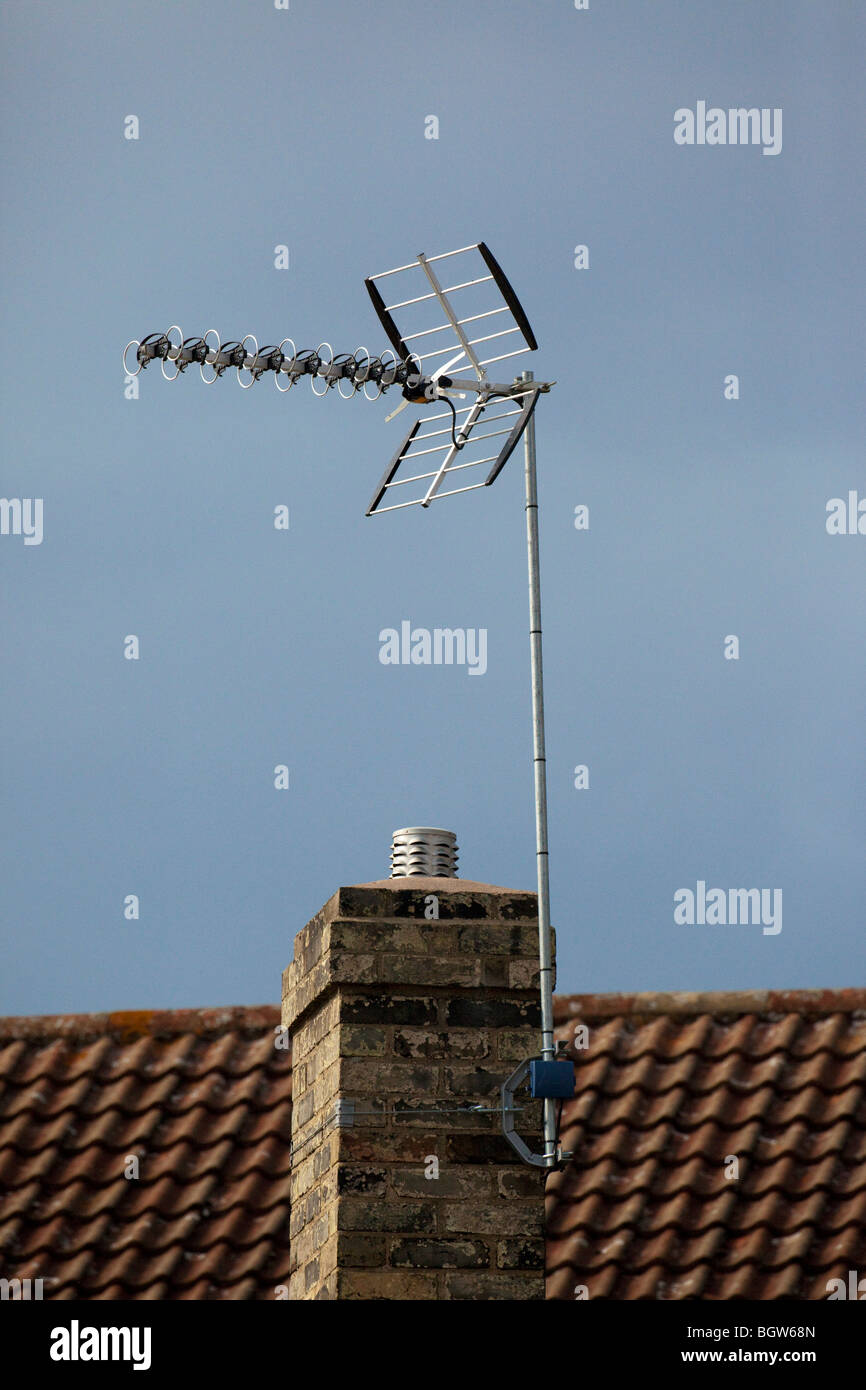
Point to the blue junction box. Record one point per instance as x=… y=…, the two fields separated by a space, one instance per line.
x=551 y=1079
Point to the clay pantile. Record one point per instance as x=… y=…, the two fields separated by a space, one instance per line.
x=270 y=1156
x=641 y=1285
x=17 y=1201
x=849 y=1245
x=561 y=1280
x=688 y=1283
x=155 y=1058
x=132 y=1268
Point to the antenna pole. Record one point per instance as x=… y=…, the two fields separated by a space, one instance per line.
x=545 y=952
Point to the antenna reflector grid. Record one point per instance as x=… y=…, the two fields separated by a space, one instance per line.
x=435 y=318
x=427 y=459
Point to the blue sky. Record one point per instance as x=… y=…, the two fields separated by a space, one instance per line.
x=259 y=647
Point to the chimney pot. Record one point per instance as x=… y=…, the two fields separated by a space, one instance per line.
x=424 y=851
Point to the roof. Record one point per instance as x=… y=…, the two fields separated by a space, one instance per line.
x=668 y=1088
x=671 y=1088
x=204 y=1098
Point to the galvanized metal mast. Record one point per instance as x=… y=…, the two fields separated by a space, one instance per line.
x=545 y=948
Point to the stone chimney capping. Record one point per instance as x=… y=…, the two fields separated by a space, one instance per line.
x=406 y=1007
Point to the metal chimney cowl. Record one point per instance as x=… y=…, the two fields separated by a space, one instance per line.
x=424 y=852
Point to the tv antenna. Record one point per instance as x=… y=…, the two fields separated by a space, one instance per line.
x=480 y=313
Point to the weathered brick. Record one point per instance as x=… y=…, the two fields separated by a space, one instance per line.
x=513 y=1045
x=386 y=1146
x=323 y=1056
x=495 y=970
x=388 y=1008
x=452 y=1182
x=310 y=943
x=311 y=1274
x=304 y=1247
x=373 y=937
x=356 y=970
x=481 y=1148
x=494 y=1285
x=457 y=1043
x=520 y=1252
x=521 y=1182
x=317 y=1026
x=360 y=1251
x=500 y=1217
x=418 y=1112
x=455 y=903
x=353 y=1177
x=305 y=989
x=297 y=1219
x=327 y=1187
x=322 y=1230
x=501 y=939
x=493 y=1013
x=328 y=1260
x=326 y=1088
x=304 y=1210
x=370 y=1113
x=426 y=970
x=473 y=1081
x=362 y=1042
x=302 y=1178
x=439 y=1254
x=323 y=1158
x=523 y=974
x=302 y=1110
x=363 y=1214
x=359 y=1076
x=381 y=1284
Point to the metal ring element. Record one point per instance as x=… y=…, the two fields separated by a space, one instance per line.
x=209 y=381
x=367 y=362
x=322 y=364
x=137 y=342
x=348 y=357
x=162 y=360
x=386 y=366
x=283 y=389
x=245 y=385
x=340 y=361
x=374 y=362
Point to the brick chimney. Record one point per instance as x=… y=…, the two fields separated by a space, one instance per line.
x=408 y=1002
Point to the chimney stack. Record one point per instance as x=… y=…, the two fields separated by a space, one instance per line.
x=409 y=1001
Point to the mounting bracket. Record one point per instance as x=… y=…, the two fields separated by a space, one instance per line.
x=532 y=1067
